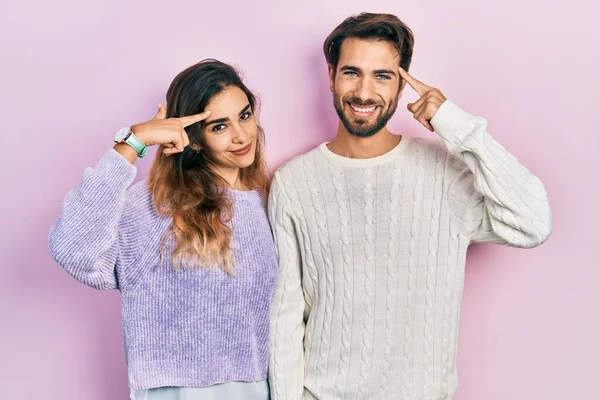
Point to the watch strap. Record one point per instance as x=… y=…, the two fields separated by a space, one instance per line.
x=136 y=144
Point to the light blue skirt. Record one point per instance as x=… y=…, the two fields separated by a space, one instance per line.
x=229 y=391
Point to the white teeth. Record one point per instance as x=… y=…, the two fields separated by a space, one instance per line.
x=363 y=110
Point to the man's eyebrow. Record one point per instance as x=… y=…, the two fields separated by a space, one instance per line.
x=385 y=71
x=350 y=68
x=376 y=72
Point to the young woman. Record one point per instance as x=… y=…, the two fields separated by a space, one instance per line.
x=190 y=249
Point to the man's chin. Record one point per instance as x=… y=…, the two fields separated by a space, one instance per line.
x=360 y=130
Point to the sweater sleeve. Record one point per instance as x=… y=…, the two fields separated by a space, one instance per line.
x=492 y=196
x=286 y=363
x=85 y=240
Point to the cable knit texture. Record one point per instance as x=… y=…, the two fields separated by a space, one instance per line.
x=192 y=328
x=372 y=254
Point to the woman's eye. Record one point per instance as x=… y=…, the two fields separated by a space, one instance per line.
x=218 y=128
x=245 y=115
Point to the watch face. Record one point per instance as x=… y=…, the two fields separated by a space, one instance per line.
x=122 y=134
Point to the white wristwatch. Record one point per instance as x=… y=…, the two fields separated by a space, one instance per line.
x=126 y=135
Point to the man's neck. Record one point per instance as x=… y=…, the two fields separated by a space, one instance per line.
x=347 y=145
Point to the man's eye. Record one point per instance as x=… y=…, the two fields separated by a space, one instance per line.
x=383 y=77
x=350 y=73
x=218 y=128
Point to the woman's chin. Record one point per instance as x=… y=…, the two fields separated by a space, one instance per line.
x=247 y=164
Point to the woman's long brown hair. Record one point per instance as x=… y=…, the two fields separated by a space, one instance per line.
x=185 y=188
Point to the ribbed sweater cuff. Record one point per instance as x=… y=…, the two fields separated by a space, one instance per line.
x=115 y=170
x=454 y=125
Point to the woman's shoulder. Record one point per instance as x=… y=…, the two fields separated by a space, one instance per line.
x=254 y=198
x=138 y=203
x=139 y=193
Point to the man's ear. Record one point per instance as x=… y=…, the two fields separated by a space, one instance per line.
x=331 y=76
x=402 y=85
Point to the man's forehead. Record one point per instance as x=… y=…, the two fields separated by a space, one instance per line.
x=371 y=54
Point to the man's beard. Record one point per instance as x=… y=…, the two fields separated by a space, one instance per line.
x=360 y=127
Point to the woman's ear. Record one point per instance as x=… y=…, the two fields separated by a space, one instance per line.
x=195 y=146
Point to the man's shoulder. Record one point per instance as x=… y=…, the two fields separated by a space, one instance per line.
x=433 y=151
x=299 y=164
x=422 y=144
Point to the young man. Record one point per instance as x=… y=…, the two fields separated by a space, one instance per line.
x=372 y=230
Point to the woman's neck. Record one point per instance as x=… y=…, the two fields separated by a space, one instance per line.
x=232 y=178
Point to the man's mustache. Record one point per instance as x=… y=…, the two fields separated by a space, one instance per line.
x=366 y=103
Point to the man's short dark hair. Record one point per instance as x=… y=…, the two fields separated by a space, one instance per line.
x=369 y=26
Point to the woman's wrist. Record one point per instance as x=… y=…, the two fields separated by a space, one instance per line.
x=128 y=152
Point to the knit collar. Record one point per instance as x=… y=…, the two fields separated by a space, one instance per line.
x=364 y=162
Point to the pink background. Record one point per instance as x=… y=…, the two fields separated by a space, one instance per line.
x=73 y=72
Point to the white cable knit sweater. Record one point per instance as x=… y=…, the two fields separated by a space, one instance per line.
x=372 y=254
